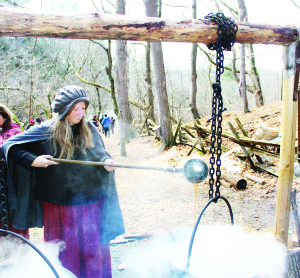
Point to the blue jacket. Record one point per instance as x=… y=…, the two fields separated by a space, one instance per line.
x=25 y=212
x=106 y=122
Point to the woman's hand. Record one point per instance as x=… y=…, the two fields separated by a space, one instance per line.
x=43 y=161
x=109 y=168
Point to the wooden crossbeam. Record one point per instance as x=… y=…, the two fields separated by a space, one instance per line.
x=19 y=22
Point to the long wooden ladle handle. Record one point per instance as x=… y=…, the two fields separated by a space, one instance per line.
x=94 y=163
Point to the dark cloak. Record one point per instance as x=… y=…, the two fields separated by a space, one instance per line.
x=25 y=212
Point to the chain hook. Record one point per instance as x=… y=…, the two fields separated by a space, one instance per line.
x=226 y=38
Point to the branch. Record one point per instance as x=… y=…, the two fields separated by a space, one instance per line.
x=139 y=105
x=89 y=82
x=104 y=48
x=298 y=7
x=131 y=101
x=233 y=11
x=211 y=60
x=177 y=6
x=13 y=89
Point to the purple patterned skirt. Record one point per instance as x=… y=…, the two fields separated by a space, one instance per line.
x=80 y=228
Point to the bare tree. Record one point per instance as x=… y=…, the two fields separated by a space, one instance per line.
x=149 y=82
x=125 y=119
x=193 y=95
x=160 y=80
x=256 y=87
x=242 y=85
x=109 y=72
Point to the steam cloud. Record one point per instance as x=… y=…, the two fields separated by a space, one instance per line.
x=218 y=251
x=25 y=262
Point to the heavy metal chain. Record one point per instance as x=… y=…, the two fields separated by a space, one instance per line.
x=3 y=197
x=226 y=37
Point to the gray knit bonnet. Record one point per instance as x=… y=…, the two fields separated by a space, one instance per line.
x=66 y=98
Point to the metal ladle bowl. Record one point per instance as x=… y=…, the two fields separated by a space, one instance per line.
x=195 y=170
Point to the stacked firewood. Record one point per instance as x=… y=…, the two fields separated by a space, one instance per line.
x=257 y=151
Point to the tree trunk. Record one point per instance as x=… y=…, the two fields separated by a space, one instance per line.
x=99 y=102
x=242 y=87
x=160 y=78
x=162 y=97
x=126 y=130
x=193 y=96
x=109 y=70
x=149 y=83
x=254 y=75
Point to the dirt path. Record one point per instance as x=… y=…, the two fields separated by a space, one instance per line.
x=154 y=201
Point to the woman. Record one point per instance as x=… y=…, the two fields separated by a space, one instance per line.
x=76 y=203
x=8 y=129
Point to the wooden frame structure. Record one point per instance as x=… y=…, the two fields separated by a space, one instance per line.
x=26 y=23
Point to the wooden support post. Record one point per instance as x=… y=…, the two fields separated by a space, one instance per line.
x=287 y=149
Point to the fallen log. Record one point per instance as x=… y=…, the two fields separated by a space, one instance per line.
x=194 y=145
x=271 y=170
x=245 y=151
x=225 y=184
x=240 y=125
x=266 y=133
x=255 y=179
x=235 y=180
x=247 y=142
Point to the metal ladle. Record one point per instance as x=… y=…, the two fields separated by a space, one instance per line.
x=195 y=170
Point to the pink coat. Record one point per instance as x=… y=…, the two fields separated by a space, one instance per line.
x=9 y=130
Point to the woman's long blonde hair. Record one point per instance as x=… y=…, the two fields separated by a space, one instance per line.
x=63 y=137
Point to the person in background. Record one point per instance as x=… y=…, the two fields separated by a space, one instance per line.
x=106 y=124
x=94 y=121
x=77 y=203
x=38 y=120
x=112 y=125
x=31 y=123
x=8 y=129
x=101 y=122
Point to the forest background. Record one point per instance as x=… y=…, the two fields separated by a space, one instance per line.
x=33 y=69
